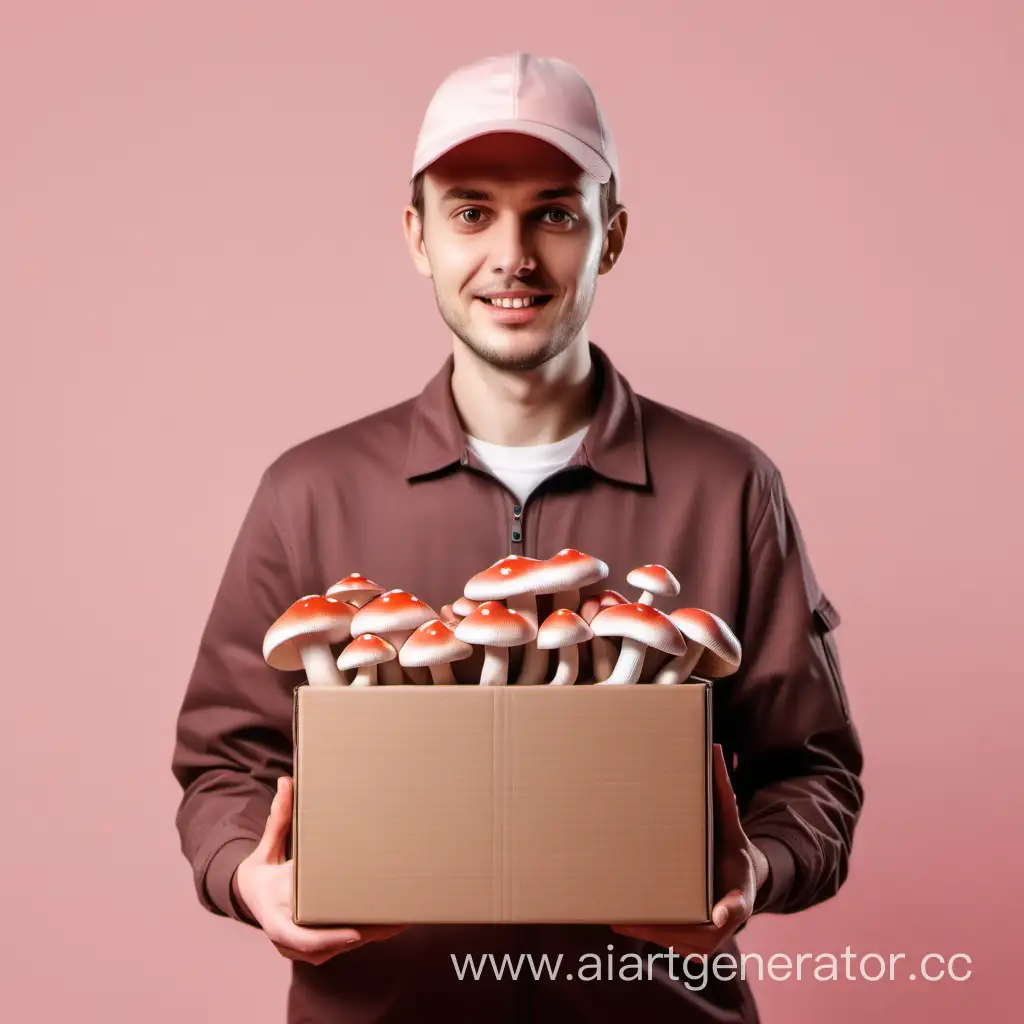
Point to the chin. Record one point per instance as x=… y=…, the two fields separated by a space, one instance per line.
x=515 y=351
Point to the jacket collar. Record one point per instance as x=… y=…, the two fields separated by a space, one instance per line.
x=613 y=445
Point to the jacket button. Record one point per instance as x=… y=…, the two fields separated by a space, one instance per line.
x=517 y=510
x=516 y=535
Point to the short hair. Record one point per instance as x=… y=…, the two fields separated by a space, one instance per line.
x=610 y=204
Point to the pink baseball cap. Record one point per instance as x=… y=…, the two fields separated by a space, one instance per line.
x=518 y=92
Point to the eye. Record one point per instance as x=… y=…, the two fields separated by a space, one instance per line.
x=567 y=214
x=469 y=209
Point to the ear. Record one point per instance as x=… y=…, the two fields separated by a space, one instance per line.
x=614 y=240
x=413 y=227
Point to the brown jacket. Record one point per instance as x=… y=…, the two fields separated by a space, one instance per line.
x=398 y=497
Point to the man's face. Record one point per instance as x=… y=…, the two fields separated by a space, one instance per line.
x=510 y=213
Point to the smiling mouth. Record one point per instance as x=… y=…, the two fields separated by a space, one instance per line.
x=524 y=303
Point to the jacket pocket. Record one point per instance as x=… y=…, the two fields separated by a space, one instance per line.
x=826 y=619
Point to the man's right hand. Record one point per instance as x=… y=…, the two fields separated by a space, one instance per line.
x=264 y=881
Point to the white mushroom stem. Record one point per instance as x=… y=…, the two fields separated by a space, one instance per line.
x=568 y=666
x=567 y=599
x=535 y=661
x=442 y=674
x=603 y=655
x=317 y=660
x=646 y=598
x=495 y=667
x=679 y=668
x=366 y=676
x=391 y=671
x=631 y=662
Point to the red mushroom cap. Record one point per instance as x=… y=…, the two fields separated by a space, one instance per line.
x=562 y=628
x=353 y=587
x=654 y=578
x=508 y=577
x=722 y=651
x=366 y=649
x=494 y=625
x=433 y=643
x=311 y=615
x=462 y=606
x=602 y=599
x=640 y=622
x=573 y=569
x=391 y=612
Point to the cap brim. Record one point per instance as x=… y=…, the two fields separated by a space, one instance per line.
x=588 y=159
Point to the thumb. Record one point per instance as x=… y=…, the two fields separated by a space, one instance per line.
x=272 y=845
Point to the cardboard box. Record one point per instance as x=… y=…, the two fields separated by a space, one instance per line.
x=488 y=804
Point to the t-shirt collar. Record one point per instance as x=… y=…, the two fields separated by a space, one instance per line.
x=613 y=445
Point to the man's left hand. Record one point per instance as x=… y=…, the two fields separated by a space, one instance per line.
x=740 y=870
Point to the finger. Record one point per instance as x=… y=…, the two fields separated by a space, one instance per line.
x=730 y=912
x=378 y=932
x=272 y=844
x=318 y=951
x=315 y=957
x=312 y=941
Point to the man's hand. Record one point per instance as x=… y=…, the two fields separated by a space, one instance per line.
x=740 y=870
x=264 y=881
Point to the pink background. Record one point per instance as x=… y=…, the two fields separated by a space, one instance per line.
x=202 y=263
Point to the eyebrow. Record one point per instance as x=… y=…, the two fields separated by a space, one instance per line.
x=458 y=192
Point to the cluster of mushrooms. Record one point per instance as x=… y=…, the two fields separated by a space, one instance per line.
x=393 y=630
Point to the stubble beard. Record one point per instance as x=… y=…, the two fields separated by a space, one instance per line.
x=542 y=348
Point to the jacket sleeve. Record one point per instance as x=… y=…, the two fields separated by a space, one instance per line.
x=234 y=728
x=786 y=719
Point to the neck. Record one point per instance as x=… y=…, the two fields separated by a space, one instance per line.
x=524 y=407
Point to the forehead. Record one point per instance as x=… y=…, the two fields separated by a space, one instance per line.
x=508 y=160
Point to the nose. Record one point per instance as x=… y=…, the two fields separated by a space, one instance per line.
x=513 y=247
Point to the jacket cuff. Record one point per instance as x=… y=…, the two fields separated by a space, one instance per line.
x=220 y=879
x=781 y=873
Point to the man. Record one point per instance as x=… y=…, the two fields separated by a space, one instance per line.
x=526 y=441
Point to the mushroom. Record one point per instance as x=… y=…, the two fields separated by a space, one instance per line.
x=653 y=579
x=496 y=628
x=393 y=615
x=563 y=630
x=365 y=653
x=301 y=638
x=452 y=614
x=602 y=651
x=435 y=646
x=516 y=579
x=712 y=650
x=640 y=626
x=568 y=571
x=355 y=589
x=462 y=606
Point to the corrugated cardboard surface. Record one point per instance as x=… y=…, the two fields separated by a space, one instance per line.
x=481 y=804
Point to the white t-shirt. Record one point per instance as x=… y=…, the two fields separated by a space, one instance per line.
x=522 y=467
